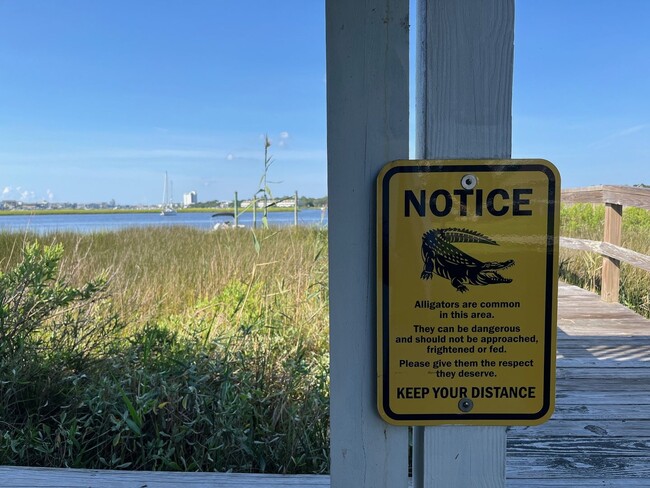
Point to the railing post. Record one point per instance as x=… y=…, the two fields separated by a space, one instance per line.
x=611 y=267
x=236 y=210
x=254 y=212
x=295 y=209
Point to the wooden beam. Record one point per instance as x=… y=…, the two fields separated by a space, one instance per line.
x=628 y=196
x=463 y=110
x=633 y=258
x=611 y=276
x=367 y=126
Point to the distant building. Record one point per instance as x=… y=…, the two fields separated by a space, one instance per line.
x=9 y=204
x=189 y=199
x=288 y=203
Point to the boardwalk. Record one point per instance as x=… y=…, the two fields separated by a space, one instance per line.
x=600 y=432
x=598 y=437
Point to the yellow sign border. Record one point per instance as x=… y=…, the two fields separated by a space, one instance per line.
x=383 y=284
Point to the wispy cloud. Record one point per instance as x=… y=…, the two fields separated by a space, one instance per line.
x=114 y=154
x=631 y=130
x=607 y=140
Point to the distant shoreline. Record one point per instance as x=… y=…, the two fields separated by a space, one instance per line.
x=72 y=211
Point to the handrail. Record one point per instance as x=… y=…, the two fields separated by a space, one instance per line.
x=614 y=197
x=628 y=196
x=628 y=256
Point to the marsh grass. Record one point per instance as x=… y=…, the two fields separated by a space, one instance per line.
x=213 y=354
x=586 y=221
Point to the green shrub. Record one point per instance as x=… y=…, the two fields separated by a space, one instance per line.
x=49 y=331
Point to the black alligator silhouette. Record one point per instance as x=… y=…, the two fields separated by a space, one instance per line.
x=445 y=260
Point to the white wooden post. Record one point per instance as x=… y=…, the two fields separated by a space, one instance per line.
x=295 y=209
x=463 y=110
x=236 y=210
x=367 y=126
x=254 y=211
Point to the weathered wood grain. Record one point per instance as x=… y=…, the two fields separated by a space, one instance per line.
x=578 y=483
x=599 y=434
x=565 y=467
x=611 y=273
x=621 y=383
x=600 y=412
x=592 y=447
x=613 y=251
x=463 y=110
x=583 y=428
x=576 y=397
x=367 y=127
x=620 y=195
x=581 y=362
x=48 y=478
x=632 y=374
x=93 y=478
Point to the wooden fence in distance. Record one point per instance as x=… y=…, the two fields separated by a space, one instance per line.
x=614 y=198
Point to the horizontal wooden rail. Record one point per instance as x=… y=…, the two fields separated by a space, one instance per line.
x=634 y=258
x=626 y=196
x=614 y=198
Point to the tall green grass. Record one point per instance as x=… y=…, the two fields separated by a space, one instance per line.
x=209 y=353
x=586 y=221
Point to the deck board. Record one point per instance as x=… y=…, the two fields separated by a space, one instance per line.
x=599 y=435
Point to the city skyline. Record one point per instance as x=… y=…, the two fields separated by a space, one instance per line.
x=100 y=99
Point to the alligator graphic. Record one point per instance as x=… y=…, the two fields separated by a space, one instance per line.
x=444 y=259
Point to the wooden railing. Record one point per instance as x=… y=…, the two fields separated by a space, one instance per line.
x=614 y=198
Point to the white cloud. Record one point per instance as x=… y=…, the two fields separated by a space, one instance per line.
x=50 y=195
x=27 y=195
x=284 y=136
x=6 y=190
x=230 y=157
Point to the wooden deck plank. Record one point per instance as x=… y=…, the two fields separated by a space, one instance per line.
x=577 y=483
x=604 y=398
x=78 y=478
x=599 y=435
x=603 y=427
x=594 y=362
x=600 y=412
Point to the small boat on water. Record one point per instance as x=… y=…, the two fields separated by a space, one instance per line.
x=167 y=203
x=226 y=221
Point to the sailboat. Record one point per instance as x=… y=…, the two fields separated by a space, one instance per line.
x=167 y=204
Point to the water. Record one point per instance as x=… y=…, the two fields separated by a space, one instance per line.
x=86 y=223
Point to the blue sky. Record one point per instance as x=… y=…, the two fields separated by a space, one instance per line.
x=99 y=98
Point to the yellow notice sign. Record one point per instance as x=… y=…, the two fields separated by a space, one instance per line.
x=467 y=291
